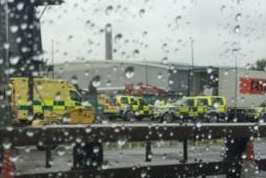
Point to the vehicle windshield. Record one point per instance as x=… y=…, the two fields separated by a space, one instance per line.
x=188 y=102
x=142 y=101
x=134 y=101
x=202 y=102
x=124 y=100
x=217 y=101
x=75 y=96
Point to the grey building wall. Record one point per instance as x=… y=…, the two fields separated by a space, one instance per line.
x=113 y=73
x=228 y=84
x=178 y=82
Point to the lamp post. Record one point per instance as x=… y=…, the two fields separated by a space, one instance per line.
x=4 y=103
x=191 y=70
x=190 y=85
x=234 y=52
x=52 y=57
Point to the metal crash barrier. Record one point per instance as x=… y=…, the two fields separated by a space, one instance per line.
x=87 y=137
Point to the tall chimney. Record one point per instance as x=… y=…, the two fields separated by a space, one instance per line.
x=108 y=42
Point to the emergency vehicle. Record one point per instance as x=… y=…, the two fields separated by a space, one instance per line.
x=53 y=101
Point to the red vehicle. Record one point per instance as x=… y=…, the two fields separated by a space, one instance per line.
x=144 y=89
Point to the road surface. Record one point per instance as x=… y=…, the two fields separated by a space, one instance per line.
x=30 y=160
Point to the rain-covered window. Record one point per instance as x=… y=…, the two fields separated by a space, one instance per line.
x=124 y=88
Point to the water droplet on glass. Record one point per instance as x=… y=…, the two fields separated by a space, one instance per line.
x=238 y=16
x=209 y=70
x=96 y=149
x=88 y=130
x=20 y=6
x=237 y=29
x=165 y=60
x=108 y=83
x=7 y=145
x=6 y=46
x=143 y=174
x=198 y=124
x=96 y=81
x=135 y=52
x=74 y=80
x=70 y=37
x=171 y=82
x=129 y=72
x=9 y=128
x=164 y=156
x=14 y=28
x=256 y=127
x=61 y=151
x=14 y=157
x=14 y=60
x=141 y=12
x=177 y=19
x=223 y=7
x=108 y=27
x=160 y=76
x=121 y=142
x=114 y=68
x=30 y=133
x=109 y=10
x=144 y=34
x=78 y=140
x=118 y=37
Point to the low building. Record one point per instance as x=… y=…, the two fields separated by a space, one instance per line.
x=114 y=75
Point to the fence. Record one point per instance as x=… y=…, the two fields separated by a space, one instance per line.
x=146 y=132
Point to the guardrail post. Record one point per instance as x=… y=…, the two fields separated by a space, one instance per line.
x=185 y=153
x=148 y=152
x=48 y=156
x=1 y=157
x=234 y=150
x=89 y=155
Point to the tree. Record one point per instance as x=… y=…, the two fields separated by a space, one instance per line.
x=260 y=65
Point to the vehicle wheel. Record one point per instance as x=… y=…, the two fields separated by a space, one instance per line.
x=102 y=118
x=213 y=118
x=263 y=118
x=37 y=120
x=168 y=117
x=38 y=116
x=130 y=116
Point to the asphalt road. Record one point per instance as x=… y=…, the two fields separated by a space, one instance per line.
x=30 y=160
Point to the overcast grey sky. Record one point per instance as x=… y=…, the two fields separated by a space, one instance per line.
x=158 y=29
